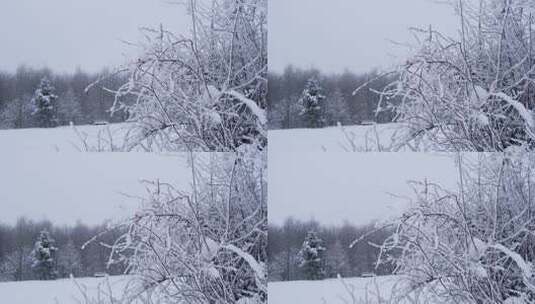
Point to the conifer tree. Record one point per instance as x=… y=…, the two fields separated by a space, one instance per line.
x=43 y=256
x=312 y=99
x=312 y=257
x=44 y=103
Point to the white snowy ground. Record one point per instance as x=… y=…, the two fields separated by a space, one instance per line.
x=62 y=139
x=334 y=139
x=331 y=291
x=63 y=291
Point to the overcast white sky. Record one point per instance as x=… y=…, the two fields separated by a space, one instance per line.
x=333 y=187
x=91 y=187
x=330 y=35
x=64 y=34
x=354 y=34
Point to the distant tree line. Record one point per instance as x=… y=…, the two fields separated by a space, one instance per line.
x=37 y=250
x=40 y=98
x=309 y=251
x=301 y=98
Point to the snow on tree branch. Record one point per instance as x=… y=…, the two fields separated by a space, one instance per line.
x=474 y=244
x=205 y=91
x=474 y=92
x=204 y=245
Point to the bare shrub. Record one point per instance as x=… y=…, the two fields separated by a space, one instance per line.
x=471 y=93
x=474 y=245
x=205 y=91
x=204 y=245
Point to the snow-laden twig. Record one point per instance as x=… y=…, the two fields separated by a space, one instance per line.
x=251 y=104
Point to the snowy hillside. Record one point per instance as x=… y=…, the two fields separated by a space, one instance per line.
x=63 y=291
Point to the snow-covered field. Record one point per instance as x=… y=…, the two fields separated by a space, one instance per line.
x=62 y=139
x=331 y=291
x=333 y=139
x=70 y=139
x=63 y=291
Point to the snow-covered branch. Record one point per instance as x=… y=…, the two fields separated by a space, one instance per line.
x=474 y=92
x=474 y=244
x=204 y=245
x=205 y=91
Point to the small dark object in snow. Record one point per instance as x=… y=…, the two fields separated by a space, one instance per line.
x=100 y=123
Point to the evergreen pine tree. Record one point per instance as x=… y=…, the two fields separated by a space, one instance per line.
x=43 y=255
x=311 y=102
x=312 y=257
x=44 y=102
